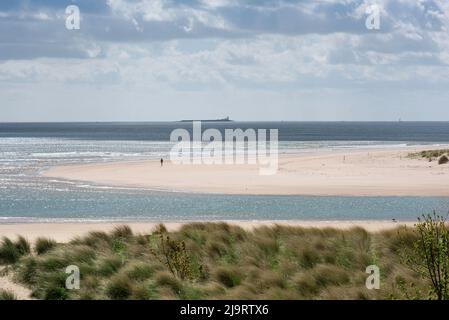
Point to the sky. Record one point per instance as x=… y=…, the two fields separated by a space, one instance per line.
x=159 y=60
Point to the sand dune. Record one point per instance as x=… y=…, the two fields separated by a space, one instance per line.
x=360 y=173
x=64 y=232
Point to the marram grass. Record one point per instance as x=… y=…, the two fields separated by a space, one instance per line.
x=220 y=261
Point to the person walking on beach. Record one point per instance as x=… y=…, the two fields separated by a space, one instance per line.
x=162 y=162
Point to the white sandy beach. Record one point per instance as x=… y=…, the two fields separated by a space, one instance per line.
x=387 y=172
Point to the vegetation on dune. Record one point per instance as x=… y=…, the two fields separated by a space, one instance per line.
x=7 y=295
x=10 y=252
x=441 y=155
x=220 y=261
x=443 y=159
x=43 y=245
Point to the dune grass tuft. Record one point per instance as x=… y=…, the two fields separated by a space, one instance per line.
x=43 y=245
x=23 y=246
x=228 y=276
x=7 y=295
x=167 y=279
x=10 y=252
x=119 y=288
x=122 y=232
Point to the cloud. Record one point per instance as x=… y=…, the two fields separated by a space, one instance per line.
x=162 y=20
x=269 y=47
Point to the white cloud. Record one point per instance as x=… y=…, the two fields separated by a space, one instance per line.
x=219 y=47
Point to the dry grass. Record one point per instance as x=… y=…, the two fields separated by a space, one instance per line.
x=224 y=262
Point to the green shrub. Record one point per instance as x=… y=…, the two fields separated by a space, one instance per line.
x=174 y=255
x=430 y=254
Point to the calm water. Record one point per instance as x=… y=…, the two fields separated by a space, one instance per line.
x=26 y=149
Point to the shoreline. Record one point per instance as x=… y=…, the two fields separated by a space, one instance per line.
x=64 y=232
x=355 y=172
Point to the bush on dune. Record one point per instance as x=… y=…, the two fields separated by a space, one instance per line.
x=429 y=256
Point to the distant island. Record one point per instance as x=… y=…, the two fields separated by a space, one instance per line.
x=210 y=120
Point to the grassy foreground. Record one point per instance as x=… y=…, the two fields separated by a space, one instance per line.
x=219 y=261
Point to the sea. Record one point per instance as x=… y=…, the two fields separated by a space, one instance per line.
x=27 y=149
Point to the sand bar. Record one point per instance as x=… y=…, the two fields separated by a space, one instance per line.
x=387 y=172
